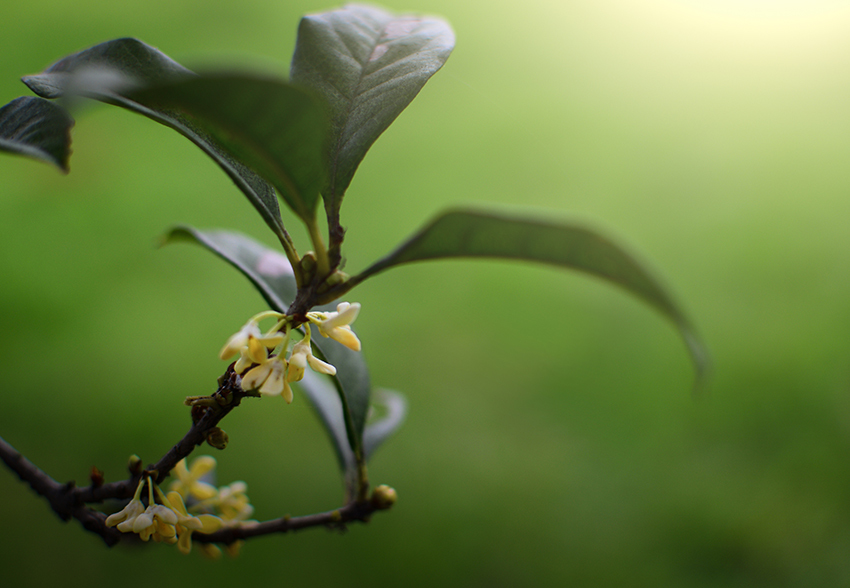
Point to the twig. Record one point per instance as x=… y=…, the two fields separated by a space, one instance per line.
x=70 y=502
x=333 y=519
x=63 y=498
x=229 y=393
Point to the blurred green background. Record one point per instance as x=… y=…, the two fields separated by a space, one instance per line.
x=552 y=439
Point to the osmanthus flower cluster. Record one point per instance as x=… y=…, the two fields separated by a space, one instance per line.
x=271 y=373
x=168 y=519
x=229 y=504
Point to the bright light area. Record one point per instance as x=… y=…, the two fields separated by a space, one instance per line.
x=778 y=30
x=767 y=8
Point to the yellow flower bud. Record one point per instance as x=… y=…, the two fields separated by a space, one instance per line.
x=218 y=438
x=383 y=497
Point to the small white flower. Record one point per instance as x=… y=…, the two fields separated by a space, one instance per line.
x=336 y=325
x=126 y=517
x=186 y=523
x=233 y=503
x=302 y=354
x=269 y=378
x=158 y=522
x=251 y=343
x=188 y=482
x=244 y=362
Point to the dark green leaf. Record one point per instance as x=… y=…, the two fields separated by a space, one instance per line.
x=271 y=274
x=274 y=127
x=352 y=379
x=143 y=63
x=269 y=271
x=326 y=402
x=36 y=128
x=130 y=60
x=368 y=64
x=379 y=430
x=465 y=233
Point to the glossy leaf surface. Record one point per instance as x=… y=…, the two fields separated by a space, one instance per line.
x=269 y=270
x=128 y=63
x=36 y=128
x=272 y=126
x=467 y=233
x=352 y=379
x=326 y=402
x=380 y=429
x=368 y=64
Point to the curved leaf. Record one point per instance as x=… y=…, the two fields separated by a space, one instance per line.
x=269 y=271
x=352 y=381
x=274 y=127
x=36 y=128
x=143 y=65
x=271 y=274
x=328 y=407
x=368 y=64
x=325 y=400
x=467 y=233
x=380 y=429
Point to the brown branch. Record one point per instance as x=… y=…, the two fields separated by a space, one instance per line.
x=333 y=519
x=226 y=398
x=232 y=394
x=70 y=502
x=61 y=497
x=32 y=475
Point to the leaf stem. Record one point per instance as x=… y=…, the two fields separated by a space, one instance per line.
x=323 y=266
x=362 y=476
x=292 y=256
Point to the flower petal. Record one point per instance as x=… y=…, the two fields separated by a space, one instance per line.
x=184 y=543
x=177 y=504
x=287 y=392
x=239 y=340
x=320 y=366
x=345 y=336
x=202 y=465
x=163 y=514
x=127 y=514
x=143 y=521
x=255 y=377
x=345 y=315
x=209 y=523
x=244 y=362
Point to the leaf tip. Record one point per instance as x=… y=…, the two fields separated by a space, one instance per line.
x=175 y=233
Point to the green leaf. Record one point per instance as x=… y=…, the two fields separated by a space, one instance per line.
x=380 y=429
x=274 y=127
x=269 y=271
x=36 y=128
x=130 y=60
x=368 y=64
x=325 y=400
x=467 y=233
x=131 y=57
x=328 y=407
x=271 y=274
x=352 y=380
